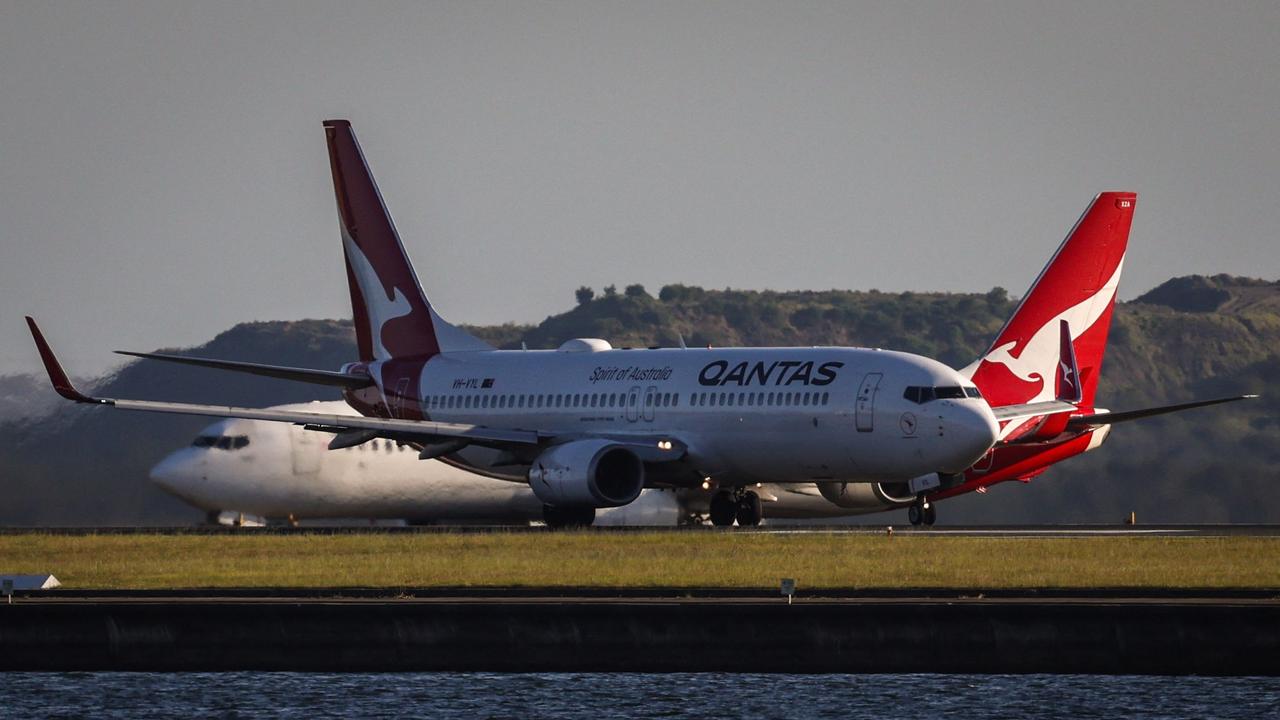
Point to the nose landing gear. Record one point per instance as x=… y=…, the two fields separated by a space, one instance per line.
x=740 y=505
x=922 y=511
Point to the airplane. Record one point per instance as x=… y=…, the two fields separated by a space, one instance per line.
x=588 y=426
x=254 y=472
x=267 y=471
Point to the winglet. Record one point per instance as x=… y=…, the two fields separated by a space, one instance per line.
x=57 y=375
x=1067 y=375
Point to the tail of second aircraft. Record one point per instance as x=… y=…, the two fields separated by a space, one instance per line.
x=1073 y=297
x=393 y=318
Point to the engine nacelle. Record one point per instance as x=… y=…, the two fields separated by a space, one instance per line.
x=595 y=473
x=870 y=497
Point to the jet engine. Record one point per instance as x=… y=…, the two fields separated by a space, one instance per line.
x=870 y=497
x=587 y=473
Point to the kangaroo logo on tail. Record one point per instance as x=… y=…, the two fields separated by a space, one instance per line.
x=1077 y=288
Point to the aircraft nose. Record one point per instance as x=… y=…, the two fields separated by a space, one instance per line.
x=175 y=472
x=973 y=430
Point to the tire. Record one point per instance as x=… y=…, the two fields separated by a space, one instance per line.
x=723 y=510
x=749 y=510
x=930 y=515
x=915 y=515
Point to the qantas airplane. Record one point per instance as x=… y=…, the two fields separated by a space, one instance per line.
x=588 y=426
x=253 y=471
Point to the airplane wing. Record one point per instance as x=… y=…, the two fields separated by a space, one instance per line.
x=1108 y=418
x=425 y=431
x=316 y=377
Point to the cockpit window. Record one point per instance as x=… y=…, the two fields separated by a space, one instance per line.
x=919 y=394
x=922 y=394
x=222 y=442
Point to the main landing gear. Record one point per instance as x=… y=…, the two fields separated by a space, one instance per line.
x=740 y=505
x=922 y=511
x=568 y=517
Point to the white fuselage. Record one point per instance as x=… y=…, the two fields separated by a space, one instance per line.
x=747 y=415
x=276 y=470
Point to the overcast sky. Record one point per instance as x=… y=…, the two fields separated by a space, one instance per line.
x=163 y=173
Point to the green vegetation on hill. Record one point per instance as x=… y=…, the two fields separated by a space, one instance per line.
x=1191 y=337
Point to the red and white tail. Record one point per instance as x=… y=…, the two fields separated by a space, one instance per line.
x=392 y=315
x=1073 y=297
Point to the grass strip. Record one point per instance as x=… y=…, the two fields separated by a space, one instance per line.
x=671 y=559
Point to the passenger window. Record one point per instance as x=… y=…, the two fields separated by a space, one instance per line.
x=675 y=400
x=751 y=399
x=825 y=397
x=666 y=399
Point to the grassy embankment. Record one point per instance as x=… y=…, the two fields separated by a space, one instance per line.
x=640 y=559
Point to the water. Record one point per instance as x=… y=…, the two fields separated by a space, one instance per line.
x=594 y=696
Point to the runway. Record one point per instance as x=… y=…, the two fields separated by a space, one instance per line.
x=995 y=531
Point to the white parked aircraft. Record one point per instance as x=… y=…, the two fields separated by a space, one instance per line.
x=271 y=470
x=590 y=427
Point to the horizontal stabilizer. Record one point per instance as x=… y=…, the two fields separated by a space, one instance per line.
x=306 y=375
x=1030 y=410
x=1110 y=418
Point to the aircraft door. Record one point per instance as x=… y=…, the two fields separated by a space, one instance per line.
x=865 y=407
x=633 y=404
x=650 y=402
x=306 y=449
x=397 y=400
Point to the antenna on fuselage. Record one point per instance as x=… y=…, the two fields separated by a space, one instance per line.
x=680 y=336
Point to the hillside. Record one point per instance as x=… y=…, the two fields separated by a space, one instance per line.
x=1190 y=337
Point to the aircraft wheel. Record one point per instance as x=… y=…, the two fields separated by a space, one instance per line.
x=930 y=514
x=723 y=510
x=749 y=511
x=915 y=514
x=557 y=518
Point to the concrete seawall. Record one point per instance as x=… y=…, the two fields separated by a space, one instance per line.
x=1164 y=635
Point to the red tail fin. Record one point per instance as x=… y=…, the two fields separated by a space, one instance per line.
x=1077 y=287
x=392 y=316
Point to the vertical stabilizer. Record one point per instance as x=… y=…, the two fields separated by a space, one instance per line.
x=1073 y=297
x=392 y=316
